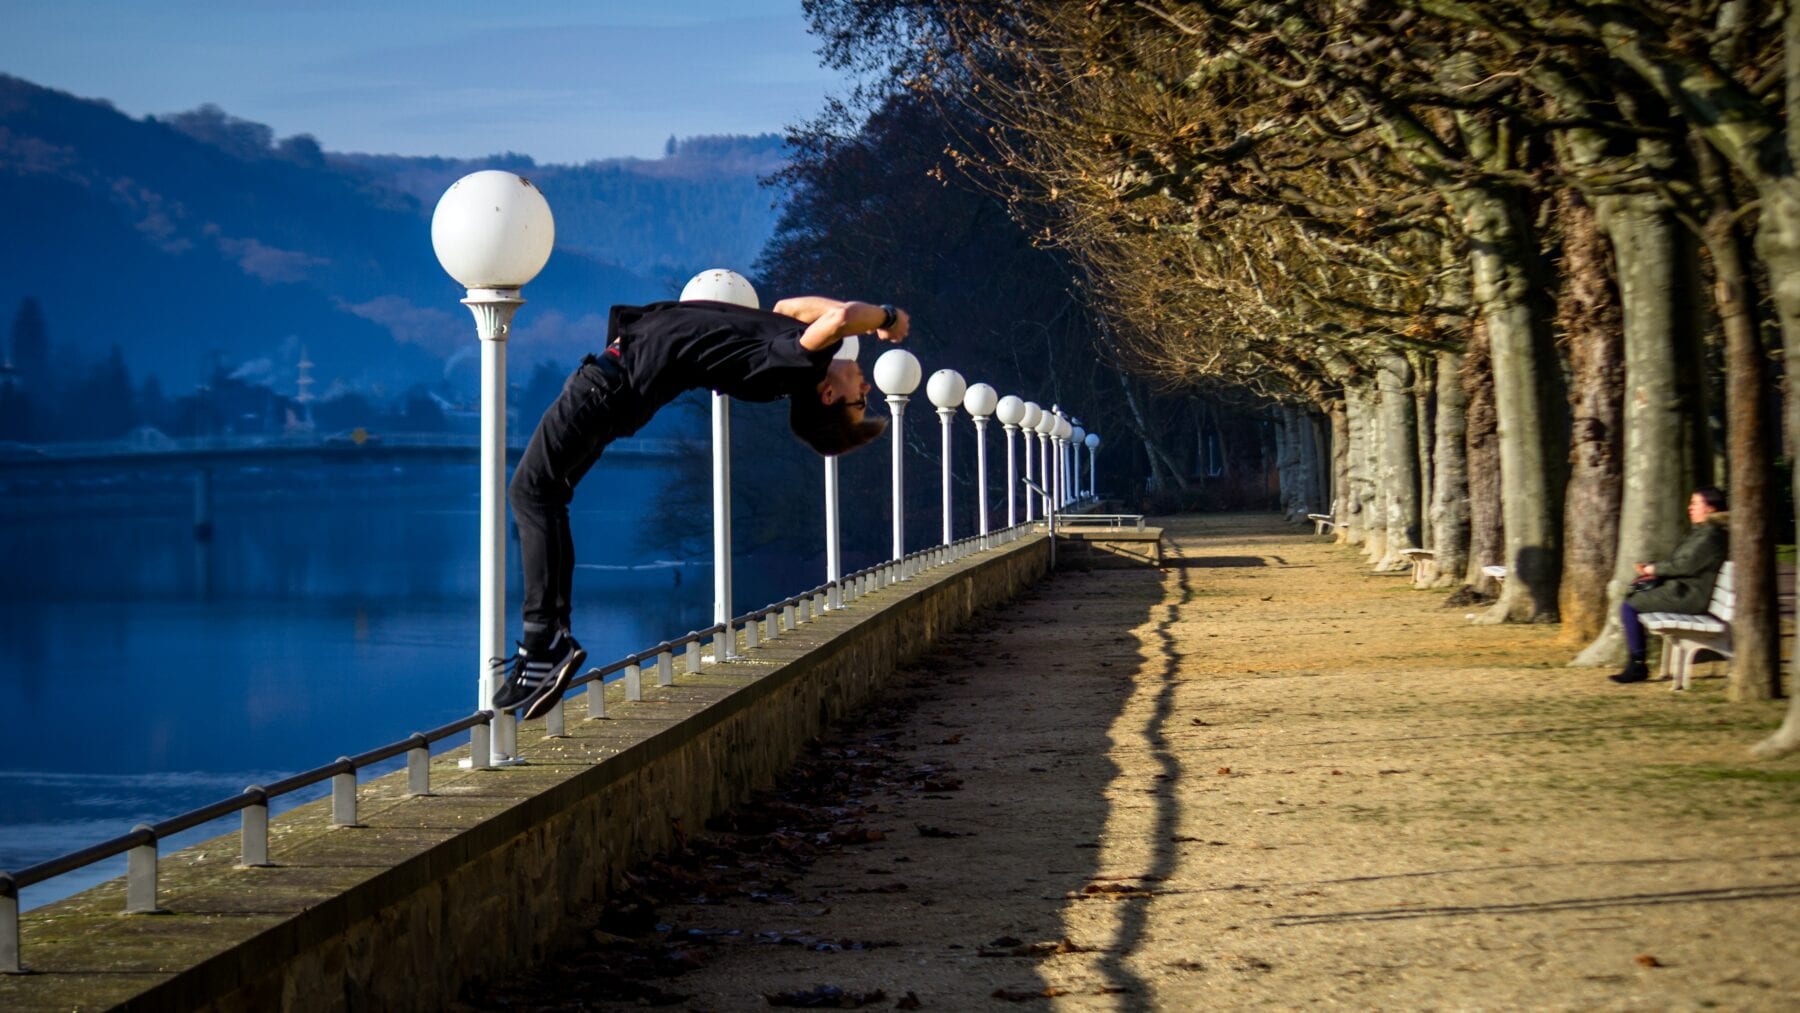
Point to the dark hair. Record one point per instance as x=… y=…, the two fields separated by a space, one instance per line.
x=1712 y=496
x=828 y=428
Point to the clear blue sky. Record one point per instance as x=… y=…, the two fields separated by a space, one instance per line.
x=559 y=80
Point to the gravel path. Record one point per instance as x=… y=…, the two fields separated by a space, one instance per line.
x=1259 y=776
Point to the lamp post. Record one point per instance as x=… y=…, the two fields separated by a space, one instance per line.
x=1093 y=445
x=492 y=231
x=1029 y=422
x=1010 y=411
x=980 y=402
x=1046 y=422
x=720 y=285
x=897 y=376
x=1061 y=441
x=834 y=556
x=1075 y=455
x=946 y=389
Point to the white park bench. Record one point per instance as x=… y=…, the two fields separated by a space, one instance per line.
x=1421 y=560
x=1321 y=523
x=1685 y=636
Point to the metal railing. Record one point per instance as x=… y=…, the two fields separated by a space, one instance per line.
x=140 y=845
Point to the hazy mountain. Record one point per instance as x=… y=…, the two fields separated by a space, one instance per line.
x=198 y=236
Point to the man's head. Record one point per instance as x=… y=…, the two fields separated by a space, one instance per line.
x=1706 y=501
x=833 y=420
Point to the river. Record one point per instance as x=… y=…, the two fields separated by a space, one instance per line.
x=144 y=671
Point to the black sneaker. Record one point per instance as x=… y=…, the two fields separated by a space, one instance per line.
x=535 y=679
x=1636 y=670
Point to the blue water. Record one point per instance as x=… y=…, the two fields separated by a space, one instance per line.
x=144 y=672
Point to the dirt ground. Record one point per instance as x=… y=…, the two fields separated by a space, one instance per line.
x=1260 y=776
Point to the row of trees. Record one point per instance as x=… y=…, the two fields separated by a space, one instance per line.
x=873 y=209
x=1515 y=273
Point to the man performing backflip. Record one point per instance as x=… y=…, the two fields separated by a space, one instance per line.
x=654 y=353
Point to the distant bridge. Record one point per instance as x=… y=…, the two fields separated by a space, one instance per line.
x=18 y=460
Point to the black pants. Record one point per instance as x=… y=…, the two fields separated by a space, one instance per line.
x=578 y=425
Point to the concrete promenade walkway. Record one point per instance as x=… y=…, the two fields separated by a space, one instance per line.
x=1260 y=776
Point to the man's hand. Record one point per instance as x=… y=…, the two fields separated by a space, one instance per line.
x=896 y=333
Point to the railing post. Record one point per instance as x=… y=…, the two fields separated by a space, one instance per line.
x=692 y=658
x=9 y=926
x=343 y=796
x=634 y=682
x=725 y=643
x=665 y=667
x=418 y=766
x=553 y=721
x=481 y=755
x=140 y=875
x=596 y=699
x=787 y=616
x=751 y=631
x=774 y=623
x=253 y=832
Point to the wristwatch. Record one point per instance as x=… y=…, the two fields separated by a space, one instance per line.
x=892 y=316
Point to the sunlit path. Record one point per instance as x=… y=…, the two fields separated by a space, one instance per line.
x=1263 y=776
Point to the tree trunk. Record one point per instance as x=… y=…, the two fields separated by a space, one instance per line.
x=1368 y=525
x=1294 y=444
x=1340 y=465
x=1659 y=419
x=1778 y=244
x=1528 y=401
x=1588 y=313
x=1755 y=626
x=1481 y=432
x=1450 y=476
x=1399 y=463
x=1425 y=421
x=1353 y=526
x=1319 y=489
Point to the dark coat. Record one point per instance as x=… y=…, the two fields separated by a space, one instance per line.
x=1687 y=575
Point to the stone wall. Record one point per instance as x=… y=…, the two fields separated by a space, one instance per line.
x=494 y=870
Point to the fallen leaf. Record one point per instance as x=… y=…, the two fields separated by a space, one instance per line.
x=1646 y=960
x=1224 y=771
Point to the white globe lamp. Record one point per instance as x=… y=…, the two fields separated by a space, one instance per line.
x=721 y=285
x=946 y=389
x=492 y=230
x=1010 y=411
x=897 y=372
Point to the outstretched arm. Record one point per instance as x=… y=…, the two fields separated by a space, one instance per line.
x=830 y=321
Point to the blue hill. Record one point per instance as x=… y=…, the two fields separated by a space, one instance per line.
x=196 y=239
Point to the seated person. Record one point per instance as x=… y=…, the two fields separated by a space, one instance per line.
x=1683 y=582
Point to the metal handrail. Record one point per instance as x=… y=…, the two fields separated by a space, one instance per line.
x=140 y=843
